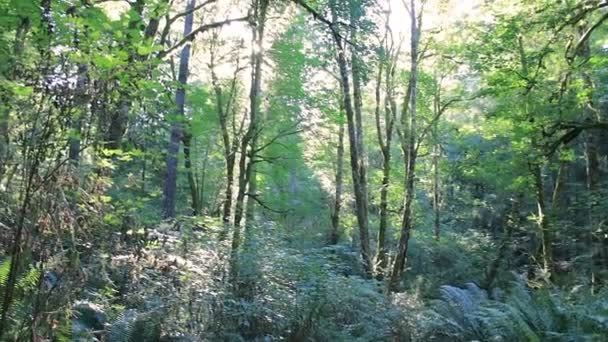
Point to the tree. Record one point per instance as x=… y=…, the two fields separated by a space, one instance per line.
x=177 y=130
x=409 y=148
x=247 y=174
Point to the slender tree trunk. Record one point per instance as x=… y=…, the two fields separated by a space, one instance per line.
x=254 y=110
x=509 y=224
x=81 y=104
x=558 y=189
x=362 y=206
x=119 y=116
x=593 y=172
x=356 y=161
x=201 y=186
x=406 y=223
x=226 y=212
x=239 y=207
x=247 y=175
x=194 y=189
x=34 y=157
x=335 y=216
x=229 y=152
x=436 y=192
x=4 y=136
x=546 y=253
x=385 y=148
x=176 y=126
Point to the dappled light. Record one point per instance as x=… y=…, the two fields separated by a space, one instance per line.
x=303 y=170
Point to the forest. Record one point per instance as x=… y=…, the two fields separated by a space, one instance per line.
x=303 y=170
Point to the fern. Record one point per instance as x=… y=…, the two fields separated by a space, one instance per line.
x=29 y=281
x=468 y=314
x=5 y=268
x=122 y=329
x=456 y=312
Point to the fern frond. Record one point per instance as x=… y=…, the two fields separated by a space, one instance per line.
x=122 y=329
x=29 y=281
x=5 y=268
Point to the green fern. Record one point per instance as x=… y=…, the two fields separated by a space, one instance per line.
x=122 y=328
x=5 y=268
x=29 y=281
x=456 y=314
x=468 y=314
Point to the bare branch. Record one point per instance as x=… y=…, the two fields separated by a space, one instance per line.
x=277 y=137
x=264 y=205
x=190 y=37
x=183 y=14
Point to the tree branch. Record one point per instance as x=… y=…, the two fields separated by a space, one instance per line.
x=277 y=137
x=331 y=25
x=190 y=37
x=183 y=14
x=264 y=205
x=587 y=34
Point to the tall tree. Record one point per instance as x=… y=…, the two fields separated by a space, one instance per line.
x=177 y=130
x=230 y=138
x=385 y=136
x=247 y=174
x=410 y=148
x=334 y=235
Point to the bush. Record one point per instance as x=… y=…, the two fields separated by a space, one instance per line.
x=468 y=313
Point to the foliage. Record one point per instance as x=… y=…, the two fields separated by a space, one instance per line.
x=508 y=190
x=521 y=314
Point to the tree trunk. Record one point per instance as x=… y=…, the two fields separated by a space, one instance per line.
x=201 y=186
x=511 y=221
x=120 y=114
x=229 y=152
x=226 y=212
x=546 y=253
x=362 y=207
x=436 y=192
x=194 y=189
x=81 y=101
x=31 y=174
x=248 y=144
x=385 y=147
x=170 y=185
x=356 y=162
x=558 y=189
x=406 y=223
x=335 y=216
x=593 y=172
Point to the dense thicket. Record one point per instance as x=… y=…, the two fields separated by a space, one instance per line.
x=329 y=170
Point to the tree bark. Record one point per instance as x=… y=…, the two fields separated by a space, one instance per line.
x=170 y=185
x=335 y=216
x=247 y=175
x=362 y=205
x=246 y=165
x=406 y=223
x=509 y=224
x=194 y=189
x=436 y=192
x=229 y=144
x=385 y=147
x=558 y=188
x=356 y=162
x=546 y=253
x=119 y=116
x=81 y=101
